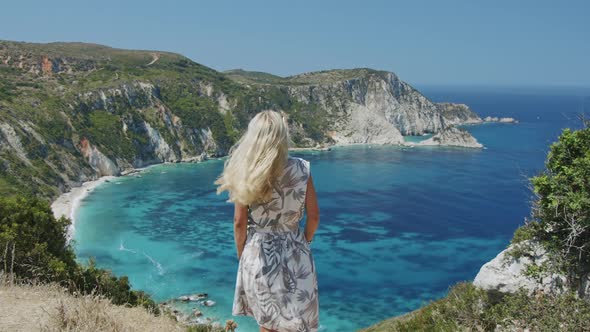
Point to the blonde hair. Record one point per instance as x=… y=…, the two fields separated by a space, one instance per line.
x=256 y=160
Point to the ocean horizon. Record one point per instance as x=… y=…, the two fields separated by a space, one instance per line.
x=398 y=225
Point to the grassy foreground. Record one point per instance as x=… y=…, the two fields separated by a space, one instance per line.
x=52 y=308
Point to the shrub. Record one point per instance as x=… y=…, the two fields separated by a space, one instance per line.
x=561 y=213
x=32 y=241
x=467 y=308
x=33 y=247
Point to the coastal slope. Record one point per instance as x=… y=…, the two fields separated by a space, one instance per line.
x=73 y=112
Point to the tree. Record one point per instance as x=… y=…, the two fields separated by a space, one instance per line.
x=561 y=213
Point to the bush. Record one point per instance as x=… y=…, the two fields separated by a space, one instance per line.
x=33 y=247
x=32 y=241
x=561 y=213
x=467 y=308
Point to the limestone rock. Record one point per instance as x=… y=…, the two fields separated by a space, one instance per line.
x=507 y=274
x=97 y=160
x=499 y=119
x=453 y=136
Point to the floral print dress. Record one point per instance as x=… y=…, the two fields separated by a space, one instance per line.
x=276 y=280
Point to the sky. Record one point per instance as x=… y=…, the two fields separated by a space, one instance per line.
x=502 y=43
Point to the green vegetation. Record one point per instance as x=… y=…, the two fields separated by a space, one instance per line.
x=254 y=77
x=205 y=328
x=7 y=90
x=33 y=247
x=561 y=214
x=318 y=77
x=467 y=308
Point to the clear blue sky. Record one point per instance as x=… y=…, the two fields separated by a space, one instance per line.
x=424 y=42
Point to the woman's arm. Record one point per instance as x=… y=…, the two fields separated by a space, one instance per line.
x=312 y=210
x=240 y=224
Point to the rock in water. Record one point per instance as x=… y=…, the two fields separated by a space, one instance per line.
x=453 y=136
x=197 y=297
x=501 y=120
x=209 y=303
x=456 y=114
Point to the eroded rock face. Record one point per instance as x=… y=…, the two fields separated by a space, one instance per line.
x=158 y=145
x=507 y=274
x=453 y=136
x=381 y=96
x=364 y=126
x=97 y=160
x=10 y=139
x=379 y=108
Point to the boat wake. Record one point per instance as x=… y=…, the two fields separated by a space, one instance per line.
x=154 y=262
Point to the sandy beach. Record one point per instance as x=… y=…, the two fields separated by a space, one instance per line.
x=66 y=204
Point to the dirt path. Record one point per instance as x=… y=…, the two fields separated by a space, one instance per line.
x=155 y=57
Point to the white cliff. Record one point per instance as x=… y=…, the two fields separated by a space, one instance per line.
x=382 y=94
x=507 y=274
x=364 y=126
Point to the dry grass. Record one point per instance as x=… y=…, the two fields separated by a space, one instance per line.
x=51 y=308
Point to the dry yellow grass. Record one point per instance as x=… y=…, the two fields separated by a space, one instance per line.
x=51 y=308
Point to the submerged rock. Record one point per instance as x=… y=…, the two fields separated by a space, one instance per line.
x=208 y=303
x=197 y=297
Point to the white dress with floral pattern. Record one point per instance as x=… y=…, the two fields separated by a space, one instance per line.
x=276 y=281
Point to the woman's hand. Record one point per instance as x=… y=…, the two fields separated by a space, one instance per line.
x=240 y=226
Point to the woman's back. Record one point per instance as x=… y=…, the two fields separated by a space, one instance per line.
x=284 y=211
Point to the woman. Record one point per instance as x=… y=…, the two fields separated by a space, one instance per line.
x=276 y=281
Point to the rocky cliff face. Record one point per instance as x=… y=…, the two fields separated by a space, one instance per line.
x=375 y=106
x=70 y=112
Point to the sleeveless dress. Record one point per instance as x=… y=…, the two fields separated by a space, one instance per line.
x=276 y=280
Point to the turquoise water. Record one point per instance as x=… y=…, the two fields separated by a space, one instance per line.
x=398 y=226
x=417 y=139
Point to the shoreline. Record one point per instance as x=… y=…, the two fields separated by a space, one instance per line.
x=67 y=203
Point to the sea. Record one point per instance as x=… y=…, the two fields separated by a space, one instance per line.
x=398 y=226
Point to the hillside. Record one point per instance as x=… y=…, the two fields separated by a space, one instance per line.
x=71 y=112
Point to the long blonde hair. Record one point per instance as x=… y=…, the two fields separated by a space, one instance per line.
x=256 y=160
